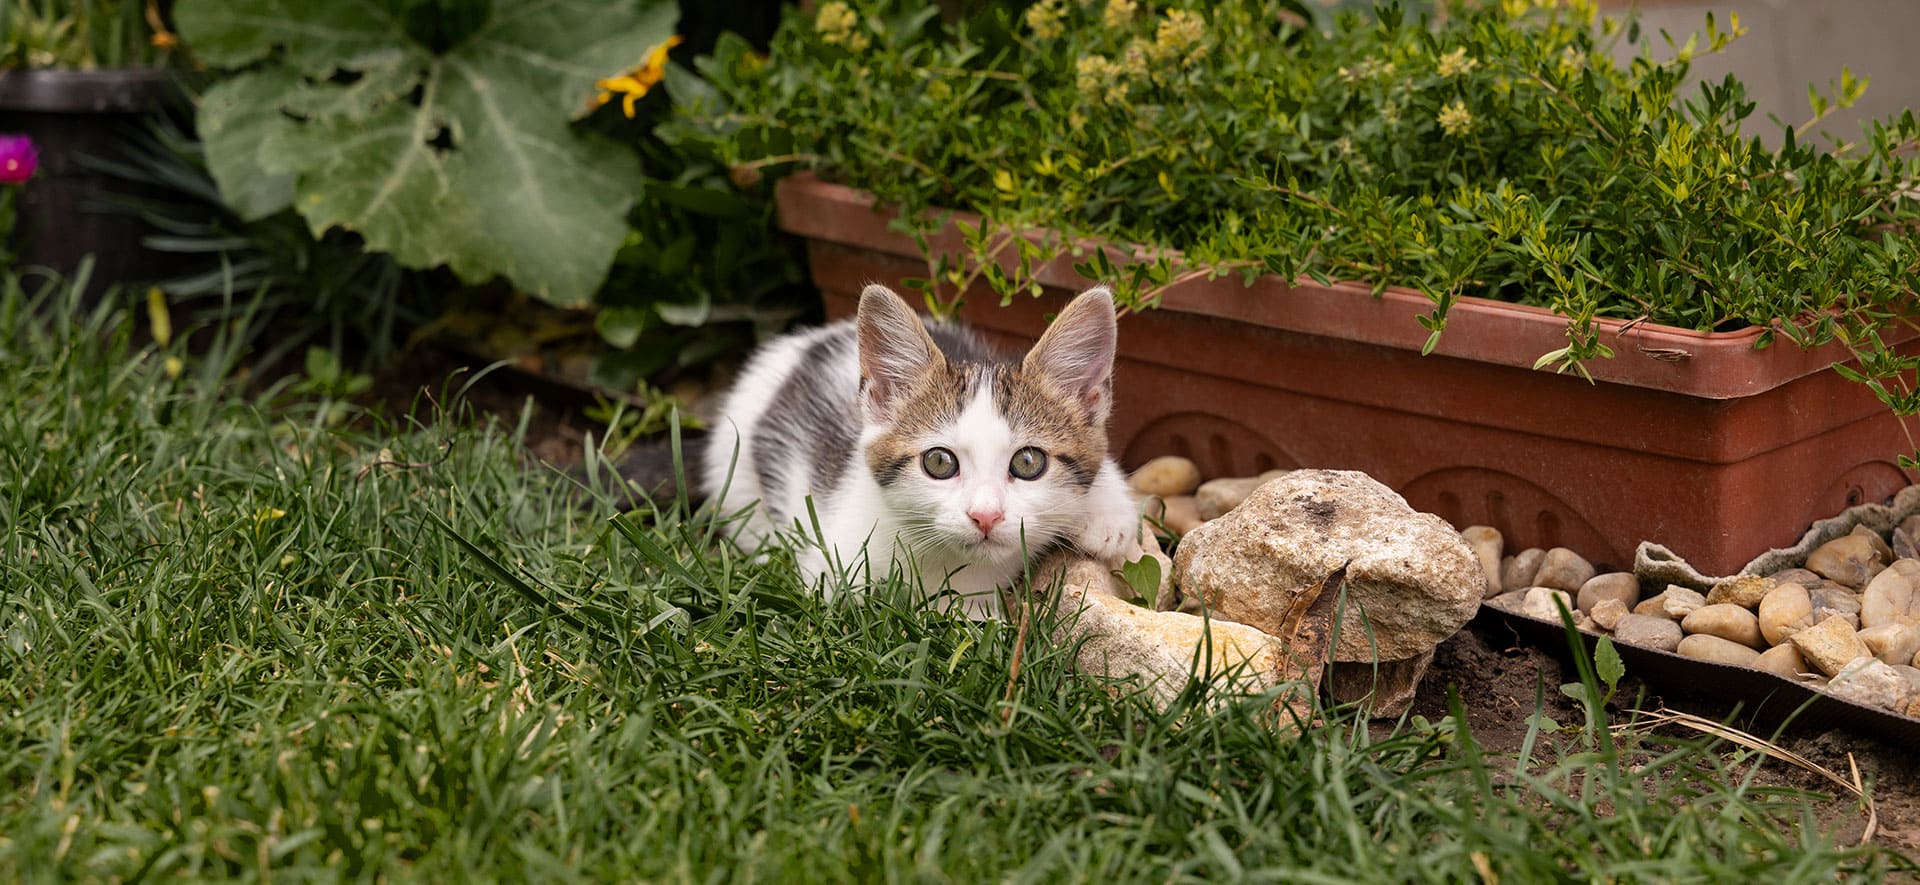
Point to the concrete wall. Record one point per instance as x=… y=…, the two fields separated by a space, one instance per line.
x=1791 y=43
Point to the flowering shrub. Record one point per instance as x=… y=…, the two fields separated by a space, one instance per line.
x=1500 y=153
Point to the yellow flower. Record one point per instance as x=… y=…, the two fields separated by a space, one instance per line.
x=1456 y=63
x=1119 y=13
x=1095 y=75
x=1043 y=19
x=835 y=19
x=1455 y=119
x=634 y=85
x=1180 y=32
x=1134 y=62
x=836 y=23
x=1571 y=61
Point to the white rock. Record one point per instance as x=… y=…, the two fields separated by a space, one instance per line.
x=1410 y=580
x=1872 y=682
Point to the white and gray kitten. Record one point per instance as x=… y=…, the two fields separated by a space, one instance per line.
x=922 y=448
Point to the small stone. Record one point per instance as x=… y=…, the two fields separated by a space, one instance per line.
x=1544 y=602
x=1726 y=621
x=1797 y=576
x=1510 y=601
x=1829 y=645
x=1904 y=543
x=1782 y=659
x=1648 y=632
x=1872 y=682
x=1563 y=569
x=1745 y=591
x=1166 y=476
x=1852 y=560
x=1486 y=543
x=1912 y=675
x=1622 y=586
x=1217 y=496
x=1682 y=602
x=1787 y=609
x=1707 y=647
x=1518 y=570
x=1891 y=598
x=1675 y=603
x=1833 y=600
x=1881 y=550
x=1607 y=613
x=1893 y=643
x=1182 y=514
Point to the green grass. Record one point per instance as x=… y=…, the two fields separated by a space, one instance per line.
x=233 y=645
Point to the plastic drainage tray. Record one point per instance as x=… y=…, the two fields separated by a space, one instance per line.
x=1763 y=696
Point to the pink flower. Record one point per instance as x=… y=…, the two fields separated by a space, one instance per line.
x=18 y=159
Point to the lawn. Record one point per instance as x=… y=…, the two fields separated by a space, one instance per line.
x=247 y=632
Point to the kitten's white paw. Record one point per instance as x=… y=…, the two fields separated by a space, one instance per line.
x=1112 y=534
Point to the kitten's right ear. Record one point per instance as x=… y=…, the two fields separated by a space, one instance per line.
x=895 y=350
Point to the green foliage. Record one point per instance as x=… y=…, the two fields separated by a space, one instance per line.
x=1496 y=152
x=438 y=130
x=240 y=642
x=1143 y=575
x=76 y=34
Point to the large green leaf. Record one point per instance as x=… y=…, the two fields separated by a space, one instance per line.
x=465 y=159
x=235 y=117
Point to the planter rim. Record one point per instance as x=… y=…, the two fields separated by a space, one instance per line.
x=65 y=91
x=1711 y=365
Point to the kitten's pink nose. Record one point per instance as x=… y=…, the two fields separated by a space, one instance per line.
x=985 y=520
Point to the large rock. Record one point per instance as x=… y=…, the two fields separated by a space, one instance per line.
x=1785 y=610
x=1386 y=688
x=1410 y=579
x=1164 y=650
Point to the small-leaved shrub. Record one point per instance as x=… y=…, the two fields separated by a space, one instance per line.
x=1496 y=150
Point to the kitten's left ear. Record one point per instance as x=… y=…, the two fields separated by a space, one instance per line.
x=1077 y=351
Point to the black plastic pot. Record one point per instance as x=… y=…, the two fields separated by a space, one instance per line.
x=67 y=211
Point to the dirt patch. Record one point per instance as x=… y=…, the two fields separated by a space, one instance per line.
x=1498 y=676
x=427 y=382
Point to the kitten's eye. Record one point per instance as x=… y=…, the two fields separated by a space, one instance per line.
x=1028 y=463
x=939 y=463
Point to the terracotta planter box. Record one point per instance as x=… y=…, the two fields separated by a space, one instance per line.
x=1693 y=440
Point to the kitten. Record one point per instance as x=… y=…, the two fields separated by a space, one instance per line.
x=921 y=448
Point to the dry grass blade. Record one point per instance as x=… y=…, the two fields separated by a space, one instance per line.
x=1664 y=716
x=1873 y=813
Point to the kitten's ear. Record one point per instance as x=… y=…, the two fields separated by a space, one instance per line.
x=895 y=350
x=1077 y=350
